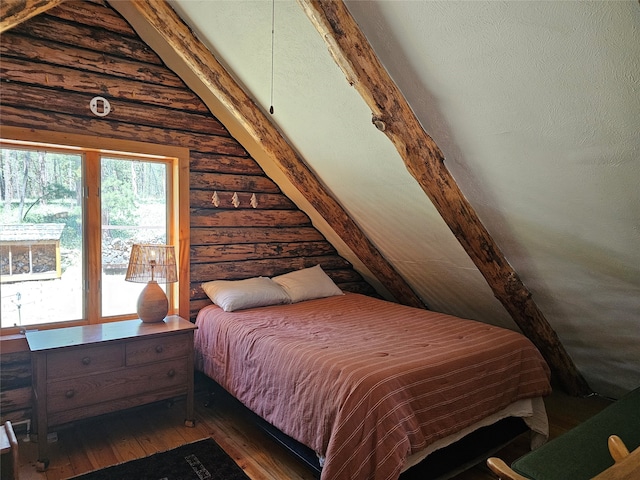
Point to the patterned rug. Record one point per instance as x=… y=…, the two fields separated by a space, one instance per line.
x=201 y=460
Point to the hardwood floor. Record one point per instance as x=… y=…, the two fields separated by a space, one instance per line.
x=119 y=437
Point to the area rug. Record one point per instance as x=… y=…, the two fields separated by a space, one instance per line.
x=201 y=460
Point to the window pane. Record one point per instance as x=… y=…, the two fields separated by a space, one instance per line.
x=134 y=210
x=41 y=246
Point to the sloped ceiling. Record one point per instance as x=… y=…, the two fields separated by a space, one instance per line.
x=536 y=106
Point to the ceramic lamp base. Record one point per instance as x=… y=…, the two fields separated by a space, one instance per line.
x=152 y=303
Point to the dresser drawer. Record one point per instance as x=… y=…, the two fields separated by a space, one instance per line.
x=153 y=350
x=85 y=391
x=83 y=371
x=84 y=361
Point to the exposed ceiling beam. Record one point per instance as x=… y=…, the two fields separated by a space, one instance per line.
x=159 y=15
x=424 y=160
x=14 y=12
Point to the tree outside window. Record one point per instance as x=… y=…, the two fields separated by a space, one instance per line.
x=48 y=254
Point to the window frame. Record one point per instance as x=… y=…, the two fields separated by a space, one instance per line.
x=93 y=147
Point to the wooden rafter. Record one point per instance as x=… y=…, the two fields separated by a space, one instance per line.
x=424 y=160
x=14 y=12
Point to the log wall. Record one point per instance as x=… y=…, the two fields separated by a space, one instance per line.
x=15 y=383
x=55 y=63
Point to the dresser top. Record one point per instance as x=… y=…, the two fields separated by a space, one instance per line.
x=103 y=332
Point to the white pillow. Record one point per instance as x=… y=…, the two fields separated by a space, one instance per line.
x=233 y=295
x=307 y=284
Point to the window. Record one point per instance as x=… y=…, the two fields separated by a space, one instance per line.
x=133 y=210
x=68 y=218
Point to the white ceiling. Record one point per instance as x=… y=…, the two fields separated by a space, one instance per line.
x=536 y=106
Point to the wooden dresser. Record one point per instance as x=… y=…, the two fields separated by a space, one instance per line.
x=80 y=372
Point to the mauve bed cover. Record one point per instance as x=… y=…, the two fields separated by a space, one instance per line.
x=365 y=382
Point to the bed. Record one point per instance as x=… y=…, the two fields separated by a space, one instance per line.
x=369 y=385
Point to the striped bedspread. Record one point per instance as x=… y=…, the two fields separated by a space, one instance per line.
x=365 y=382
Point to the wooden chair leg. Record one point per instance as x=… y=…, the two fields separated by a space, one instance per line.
x=617 y=448
x=503 y=471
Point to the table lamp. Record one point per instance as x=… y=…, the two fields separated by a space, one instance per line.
x=150 y=264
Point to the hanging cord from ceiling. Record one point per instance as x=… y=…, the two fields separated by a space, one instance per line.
x=273 y=21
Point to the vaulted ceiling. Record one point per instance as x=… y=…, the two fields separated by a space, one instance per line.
x=536 y=109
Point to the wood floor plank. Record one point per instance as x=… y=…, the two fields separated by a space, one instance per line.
x=28 y=450
x=62 y=457
x=125 y=445
x=143 y=436
x=76 y=451
x=94 y=442
x=170 y=437
x=170 y=418
x=149 y=436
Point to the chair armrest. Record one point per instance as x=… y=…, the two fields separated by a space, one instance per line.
x=503 y=471
x=617 y=448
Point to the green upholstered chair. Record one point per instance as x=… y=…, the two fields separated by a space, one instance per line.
x=582 y=452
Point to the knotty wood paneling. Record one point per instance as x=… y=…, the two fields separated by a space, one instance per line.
x=242 y=225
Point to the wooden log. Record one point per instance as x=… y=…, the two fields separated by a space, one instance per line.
x=46 y=51
x=203 y=199
x=70 y=79
x=196 y=305
x=233 y=235
x=15 y=370
x=14 y=357
x=358 y=287
x=64 y=102
x=13 y=344
x=201 y=162
x=424 y=160
x=16 y=416
x=93 y=15
x=15 y=399
x=34 y=119
x=166 y=24
x=244 y=216
x=98 y=40
x=254 y=251
x=333 y=265
x=232 y=183
x=15 y=12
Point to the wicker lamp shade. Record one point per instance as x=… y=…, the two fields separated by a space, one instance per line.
x=150 y=264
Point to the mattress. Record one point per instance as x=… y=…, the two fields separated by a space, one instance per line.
x=364 y=382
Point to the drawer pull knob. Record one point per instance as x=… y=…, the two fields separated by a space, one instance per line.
x=69 y=393
x=171 y=373
x=159 y=349
x=86 y=360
